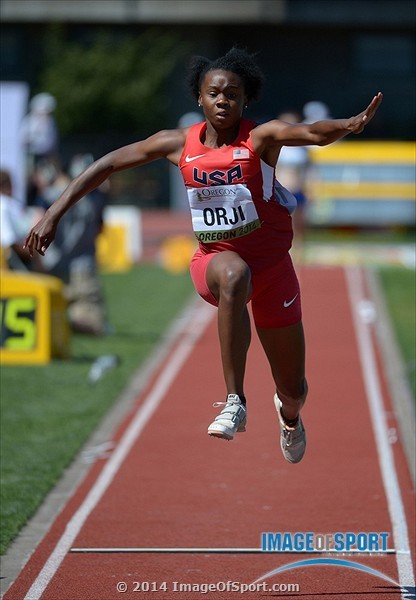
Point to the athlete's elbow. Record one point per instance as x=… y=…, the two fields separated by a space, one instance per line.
x=323 y=141
x=107 y=164
x=317 y=138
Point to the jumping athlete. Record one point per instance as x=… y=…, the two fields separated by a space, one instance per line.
x=241 y=218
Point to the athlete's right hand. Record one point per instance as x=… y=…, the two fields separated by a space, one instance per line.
x=41 y=236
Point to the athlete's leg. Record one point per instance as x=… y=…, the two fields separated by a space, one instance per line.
x=229 y=279
x=285 y=350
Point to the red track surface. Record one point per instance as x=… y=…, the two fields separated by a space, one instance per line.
x=179 y=488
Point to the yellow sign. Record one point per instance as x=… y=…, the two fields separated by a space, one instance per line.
x=176 y=253
x=112 y=251
x=33 y=318
x=119 y=245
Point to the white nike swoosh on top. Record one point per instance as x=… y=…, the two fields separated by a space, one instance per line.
x=286 y=303
x=191 y=158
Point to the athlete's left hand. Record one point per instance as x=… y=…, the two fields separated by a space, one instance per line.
x=356 y=124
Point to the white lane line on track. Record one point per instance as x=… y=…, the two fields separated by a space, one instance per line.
x=224 y=551
x=193 y=328
x=357 y=296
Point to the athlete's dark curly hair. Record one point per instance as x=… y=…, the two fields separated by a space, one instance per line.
x=238 y=61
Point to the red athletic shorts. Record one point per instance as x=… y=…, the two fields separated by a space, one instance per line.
x=275 y=299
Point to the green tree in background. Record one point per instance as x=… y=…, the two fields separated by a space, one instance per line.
x=112 y=84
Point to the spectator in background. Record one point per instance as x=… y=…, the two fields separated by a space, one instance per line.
x=315 y=111
x=73 y=254
x=14 y=225
x=291 y=172
x=39 y=130
x=39 y=135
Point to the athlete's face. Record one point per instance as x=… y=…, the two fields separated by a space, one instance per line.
x=222 y=98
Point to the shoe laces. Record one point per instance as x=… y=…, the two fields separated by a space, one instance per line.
x=234 y=407
x=291 y=435
x=287 y=434
x=228 y=402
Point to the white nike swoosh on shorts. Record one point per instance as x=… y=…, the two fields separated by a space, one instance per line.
x=286 y=304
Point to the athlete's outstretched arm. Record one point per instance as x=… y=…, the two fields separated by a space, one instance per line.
x=165 y=144
x=320 y=133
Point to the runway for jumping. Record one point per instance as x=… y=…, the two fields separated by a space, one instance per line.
x=172 y=513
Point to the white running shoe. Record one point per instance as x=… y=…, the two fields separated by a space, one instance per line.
x=292 y=439
x=232 y=418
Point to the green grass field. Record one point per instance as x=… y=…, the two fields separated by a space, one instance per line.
x=399 y=286
x=48 y=413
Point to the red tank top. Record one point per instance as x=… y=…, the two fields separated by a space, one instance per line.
x=235 y=200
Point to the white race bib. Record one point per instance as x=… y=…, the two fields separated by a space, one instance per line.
x=222 y=212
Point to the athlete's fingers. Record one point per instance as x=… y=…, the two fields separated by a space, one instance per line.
x=373 y=107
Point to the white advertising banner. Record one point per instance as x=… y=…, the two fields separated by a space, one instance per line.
x=14 y=97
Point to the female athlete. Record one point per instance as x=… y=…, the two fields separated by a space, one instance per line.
x=241 y=218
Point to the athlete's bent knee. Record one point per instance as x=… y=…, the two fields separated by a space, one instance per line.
x=235 y=280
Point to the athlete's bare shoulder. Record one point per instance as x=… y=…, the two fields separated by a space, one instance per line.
x=264 y=140
x=173 y=140
x=266 y=133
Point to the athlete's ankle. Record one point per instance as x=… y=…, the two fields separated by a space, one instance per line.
x=290 y=422
x=241 y=396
